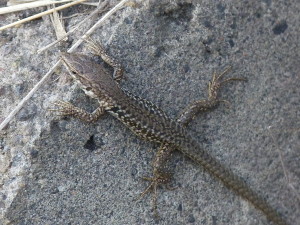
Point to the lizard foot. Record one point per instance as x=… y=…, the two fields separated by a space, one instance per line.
x=216 y=83
x=67 y=109
x=161 y=179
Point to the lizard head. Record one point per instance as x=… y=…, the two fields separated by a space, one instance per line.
x=93 y=79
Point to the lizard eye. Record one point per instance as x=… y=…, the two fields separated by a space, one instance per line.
x=88 y=88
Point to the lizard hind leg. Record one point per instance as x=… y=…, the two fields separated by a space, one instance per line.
x=99 y=50
x=211 y=101
x=161 y=175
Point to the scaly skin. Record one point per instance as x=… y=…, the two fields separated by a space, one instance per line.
x=150 y=123
x=161 y=172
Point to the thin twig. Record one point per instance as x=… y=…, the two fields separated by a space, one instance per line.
x=88 y=33
x=96 y=25
x=41 y=14
x=28 y=96
x=24 y=6
x=57 y=24
x=72 y=30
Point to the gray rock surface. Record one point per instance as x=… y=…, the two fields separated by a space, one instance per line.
x=64 y=171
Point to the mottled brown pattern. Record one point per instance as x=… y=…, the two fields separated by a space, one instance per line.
x=150 y=123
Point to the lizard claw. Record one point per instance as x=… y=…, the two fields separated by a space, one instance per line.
x=161 y=179
x=216 y=82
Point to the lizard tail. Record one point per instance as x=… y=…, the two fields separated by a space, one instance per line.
x=229 y=179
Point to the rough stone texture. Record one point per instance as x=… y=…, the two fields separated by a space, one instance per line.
x=63 y=171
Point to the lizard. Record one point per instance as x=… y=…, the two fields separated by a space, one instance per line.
x=150 y=123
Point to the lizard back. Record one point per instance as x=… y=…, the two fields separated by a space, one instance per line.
x=150 y=123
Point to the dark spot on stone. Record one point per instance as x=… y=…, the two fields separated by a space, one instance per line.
x=4 y=196
x=1 y=141
x=214 y=220
x=140 y=68
x=208 y=41
x=54 y=127
x=158 y=51
x=2 y=90
x=20 y=89
x=207 y=24
x=27 y=113
x=34 y=153
x=268 y=2
x=133 y=170
x=221 y=8
x=257 y=14
x=280 y=27
x=206 y=140
x=144 y=123
x=16 y=160
x=186 y=68
x=128 y=20
x=55 y=191
x=269 y=162
x=233 y=25
x=2 y=205
x=123 y=150
x=231 y=43
x=90 y=144
x=157 y=220
x=179 y=208
x=111 y=214
x=245 y=39
x=191 y=218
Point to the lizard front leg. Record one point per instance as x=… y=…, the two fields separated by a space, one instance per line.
x=67 y=109
x=98 y=49
x=161 y=173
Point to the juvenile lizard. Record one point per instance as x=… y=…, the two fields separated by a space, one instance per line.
x=150 y=123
